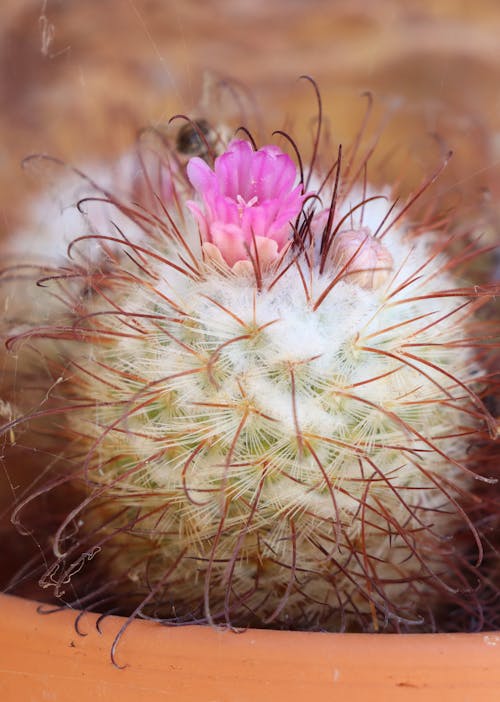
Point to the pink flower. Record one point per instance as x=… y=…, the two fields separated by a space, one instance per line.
x=248 y=200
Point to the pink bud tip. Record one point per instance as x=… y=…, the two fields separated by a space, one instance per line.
x=368 y=263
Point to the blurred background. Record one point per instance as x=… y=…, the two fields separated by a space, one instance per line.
x=79 y=78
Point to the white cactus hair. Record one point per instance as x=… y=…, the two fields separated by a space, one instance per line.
x=292 y=445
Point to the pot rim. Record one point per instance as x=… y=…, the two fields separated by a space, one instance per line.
x=43 y=657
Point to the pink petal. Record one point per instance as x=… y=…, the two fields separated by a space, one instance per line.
x=200 y=175
x=200 y=218
x=232 y=168
x=228 y=238
x=267 y=251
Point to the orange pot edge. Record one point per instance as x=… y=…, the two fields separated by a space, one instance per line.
x=44 y=658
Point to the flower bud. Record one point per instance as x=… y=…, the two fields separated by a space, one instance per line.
x=368 y=263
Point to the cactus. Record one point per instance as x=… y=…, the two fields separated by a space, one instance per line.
x=271 y=402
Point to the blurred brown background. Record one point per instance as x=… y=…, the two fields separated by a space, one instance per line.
x=79 y=77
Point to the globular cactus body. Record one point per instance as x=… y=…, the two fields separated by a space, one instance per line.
x=294 y=451
x=272 y=406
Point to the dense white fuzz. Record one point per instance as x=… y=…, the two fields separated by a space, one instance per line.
x=298 y=458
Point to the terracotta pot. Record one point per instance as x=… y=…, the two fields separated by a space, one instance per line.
x=43 y=658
